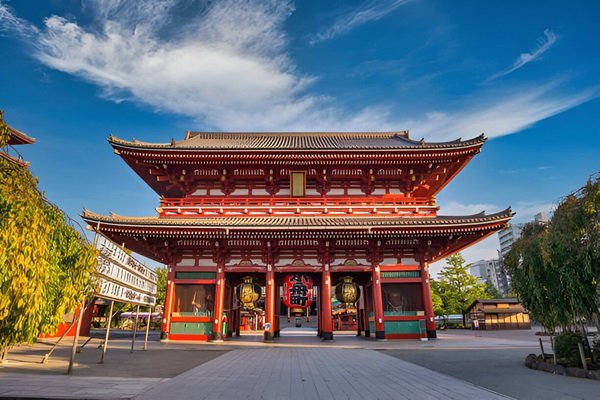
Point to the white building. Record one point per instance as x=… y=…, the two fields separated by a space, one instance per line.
x=491 y=270
x=510 y=234
x=507 y=237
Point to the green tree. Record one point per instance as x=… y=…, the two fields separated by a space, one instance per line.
x=161 y=285
x=491 y=291
x=532 y=279
x=436 y=299
x=555 y=269
x=457 y=287
x=46 y=266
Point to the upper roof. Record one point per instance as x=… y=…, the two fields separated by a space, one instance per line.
x=296 y=141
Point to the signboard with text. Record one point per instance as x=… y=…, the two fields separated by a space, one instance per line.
x=122 y=277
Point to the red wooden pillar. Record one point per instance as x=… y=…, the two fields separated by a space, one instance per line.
x=167 y=310
x=277 y=311
x=319 y=320
x=229 y=311
x=430 y=322
x=378 y=304
x=366 y=316
x=219 y=305
x=359 y=307
x=270 y=306
x=326 y=323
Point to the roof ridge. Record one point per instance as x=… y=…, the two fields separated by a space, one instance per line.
x=298 y=141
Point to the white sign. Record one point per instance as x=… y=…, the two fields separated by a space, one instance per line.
x=122 y=277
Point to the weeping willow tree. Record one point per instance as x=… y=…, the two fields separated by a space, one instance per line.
x=555 y=268
x=46 y=267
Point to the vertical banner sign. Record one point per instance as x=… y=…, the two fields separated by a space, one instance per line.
x=122 y=277
x=298 y=291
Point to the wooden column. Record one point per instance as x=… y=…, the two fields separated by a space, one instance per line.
x=219 y=305
x=319 y=319
x=359 y=307
x=270 y=305
x=326 y=324
x=366 y=312
x=277 y=309
x=229 y=310
x=378 y=304
x=430 y=322
x=166 y=320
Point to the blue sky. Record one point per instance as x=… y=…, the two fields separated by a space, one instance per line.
x=524 y=73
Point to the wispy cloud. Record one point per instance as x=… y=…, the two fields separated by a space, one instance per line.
x=11 y=23
x=372 y=10
x=503 y=114
x=488 y=248
x=543 y=45
x=225 y=64
x=526 y=210
x=457 y=208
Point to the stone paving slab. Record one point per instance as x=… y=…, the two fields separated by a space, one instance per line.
x=302 y=366
x=37 y=386
x=313 y=373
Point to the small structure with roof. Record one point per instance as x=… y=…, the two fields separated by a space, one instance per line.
x=492 y=314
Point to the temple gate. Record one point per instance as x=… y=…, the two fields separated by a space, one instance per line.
x=250 y=208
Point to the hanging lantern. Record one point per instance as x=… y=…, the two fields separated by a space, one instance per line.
x=297 y=291
x=248 y=293
x=347 y=292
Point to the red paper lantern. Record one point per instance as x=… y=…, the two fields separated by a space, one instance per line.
x=297 y=291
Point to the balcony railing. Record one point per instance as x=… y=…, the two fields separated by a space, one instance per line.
x=290 y=206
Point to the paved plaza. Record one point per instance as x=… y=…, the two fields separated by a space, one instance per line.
x=458 y=365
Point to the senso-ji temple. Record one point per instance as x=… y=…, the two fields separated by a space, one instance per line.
x=302 y=216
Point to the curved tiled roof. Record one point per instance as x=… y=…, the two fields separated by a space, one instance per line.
x=16 y=160
x=18 y=137
x=296 y=141
x=296 y=222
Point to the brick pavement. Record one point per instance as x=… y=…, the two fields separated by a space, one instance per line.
x=298 y=366
x=313 y=373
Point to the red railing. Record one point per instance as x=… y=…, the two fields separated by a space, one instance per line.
x=288 y=206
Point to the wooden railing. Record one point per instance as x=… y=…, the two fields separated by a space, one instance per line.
x=290 y=206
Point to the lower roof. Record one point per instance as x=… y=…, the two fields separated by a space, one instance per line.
x=157 y=238
x=300 y=222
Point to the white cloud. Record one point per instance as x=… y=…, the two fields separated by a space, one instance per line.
x=484 y=250
x=369 y=11
x=503 y=114
x=488 y=248
x=11 y=23
x=544 y=44
x=457 y=208
x=525 y=211
x=225 y=65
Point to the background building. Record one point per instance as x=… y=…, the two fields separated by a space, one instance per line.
x=491 y=270
x=512 y=232
x=507 y=237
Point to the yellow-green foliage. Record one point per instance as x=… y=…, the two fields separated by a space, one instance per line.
x=4 y=132
x=46 y=268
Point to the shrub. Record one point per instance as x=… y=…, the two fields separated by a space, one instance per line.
x=596 y=351
x=567 y=349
